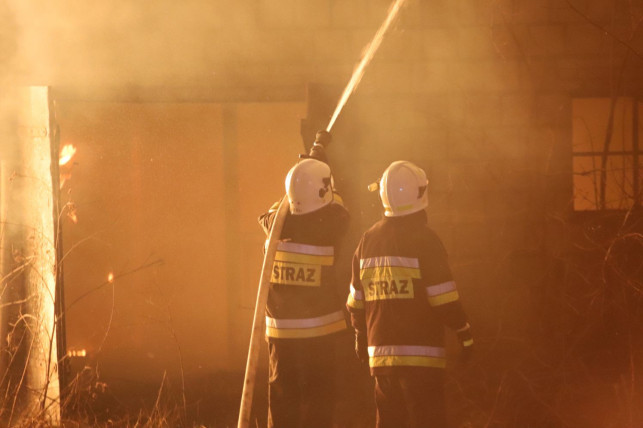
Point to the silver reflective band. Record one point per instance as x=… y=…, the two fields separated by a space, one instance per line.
x=292 y=247
x=357 y=294
x=445 y=287
x=372 y=262
x=305 y=322
x=406 y=350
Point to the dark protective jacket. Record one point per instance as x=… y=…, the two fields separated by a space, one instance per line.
x=402 y=294
x=303 y=301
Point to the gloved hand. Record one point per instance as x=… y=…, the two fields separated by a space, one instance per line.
x=466 y=342
x=361 y=348
x=318 y=150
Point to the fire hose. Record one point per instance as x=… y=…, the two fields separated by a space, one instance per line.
x=260 y=306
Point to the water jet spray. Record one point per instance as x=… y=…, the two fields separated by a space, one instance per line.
x=366 y=59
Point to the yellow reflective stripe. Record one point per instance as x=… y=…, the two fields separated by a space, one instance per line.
x=444 y=298
x=338 y=199
x=297 y=333
x=355 y=298
x=354 y=303
x=443 y=293
x=305 y=322
x=283 y=256
x=389 y=272
x=407 y=360
x=467 y=343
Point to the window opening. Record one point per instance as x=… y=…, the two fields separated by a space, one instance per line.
x=606 y=153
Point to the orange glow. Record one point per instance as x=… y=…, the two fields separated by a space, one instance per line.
x=110 y=277
x=66 y=154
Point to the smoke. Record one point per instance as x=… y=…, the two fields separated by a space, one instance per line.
x=8 y=41
x=67 y=43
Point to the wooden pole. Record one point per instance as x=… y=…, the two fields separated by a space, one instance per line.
x=29 y=389
x=258 y=321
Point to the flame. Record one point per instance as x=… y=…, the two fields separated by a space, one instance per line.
x=110 y=277
x=77 y=353
x=368 y=55
x=71 y=212
x=66 y=153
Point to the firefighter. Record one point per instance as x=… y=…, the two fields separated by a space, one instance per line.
x=402 y=295
x=304 y=312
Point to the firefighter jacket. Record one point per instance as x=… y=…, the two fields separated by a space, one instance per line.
x=402 y=294
x=303 y=299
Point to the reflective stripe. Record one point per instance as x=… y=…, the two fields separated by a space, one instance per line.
x=351 y=302
x=407 y=361
x=302 y=333
x=466 y=328
x=388 y=272
x=441 y=294
x=444 y=298
x=316 y=250
x=389 y=267
x=445 y=287
x=355 y=304
x=338 y=199
x=389 y=261
x=406 y=350
x=304 y=322
x=406 y=355
x=357 y=294
x=355 y=298
x=282 y=256
x=305 y=327
x=306 y=254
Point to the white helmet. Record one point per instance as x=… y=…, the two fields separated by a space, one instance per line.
x=309 y=186
x=403 y=189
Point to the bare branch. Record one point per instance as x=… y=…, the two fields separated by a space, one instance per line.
x=605 y=31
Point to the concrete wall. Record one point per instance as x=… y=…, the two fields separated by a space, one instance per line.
x=166 y=198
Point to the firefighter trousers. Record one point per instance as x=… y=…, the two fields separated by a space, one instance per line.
x=301 y=388
x=411 y=400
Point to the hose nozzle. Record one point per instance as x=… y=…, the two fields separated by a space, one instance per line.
x=323 y=138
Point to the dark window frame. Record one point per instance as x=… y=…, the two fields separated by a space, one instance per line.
x=605 y=153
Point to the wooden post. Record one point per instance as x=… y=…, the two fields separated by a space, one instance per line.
x=29 y=361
